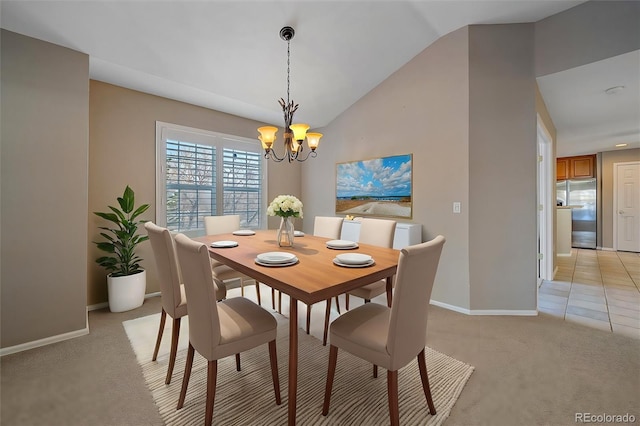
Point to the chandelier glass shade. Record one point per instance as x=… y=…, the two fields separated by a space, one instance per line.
x=294 y=134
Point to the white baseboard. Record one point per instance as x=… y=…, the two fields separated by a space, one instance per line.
x=450 y=307
x=518 y=313
x=47 y=340
x=605 y=248
x=523 y=312
x=563 y=255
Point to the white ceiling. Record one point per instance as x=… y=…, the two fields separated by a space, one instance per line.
x=228 y=56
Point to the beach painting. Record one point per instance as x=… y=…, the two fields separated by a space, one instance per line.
x=377 y=187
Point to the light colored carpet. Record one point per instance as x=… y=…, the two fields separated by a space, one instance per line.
x=246 y=397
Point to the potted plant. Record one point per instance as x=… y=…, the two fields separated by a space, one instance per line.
x=126 y=281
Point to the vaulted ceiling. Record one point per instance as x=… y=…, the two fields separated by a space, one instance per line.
x=228 y=56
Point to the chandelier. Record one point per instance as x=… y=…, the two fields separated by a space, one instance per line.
x=294 y=134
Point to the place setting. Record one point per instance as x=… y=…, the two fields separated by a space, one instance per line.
x=342 y=244
x=353 y=260
x=224 y=244
x=244 y=232
x=276 y=259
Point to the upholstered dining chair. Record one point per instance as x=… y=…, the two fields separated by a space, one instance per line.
x=174 y=300
x=223 y=225
x=377 y=232
x=391 y=337
x=219 y=329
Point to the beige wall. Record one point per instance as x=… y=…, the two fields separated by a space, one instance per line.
x=45 y=129
x=422 y=109
x=122 y=152
x=608 y=159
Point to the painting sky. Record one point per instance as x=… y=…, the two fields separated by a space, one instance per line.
x=382 y=177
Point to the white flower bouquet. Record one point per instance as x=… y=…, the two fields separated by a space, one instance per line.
x=285 y=206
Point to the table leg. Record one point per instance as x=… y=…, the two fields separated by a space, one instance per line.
x=389 y=290
x=293 y=360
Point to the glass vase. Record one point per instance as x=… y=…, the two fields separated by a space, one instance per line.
x=285 y=232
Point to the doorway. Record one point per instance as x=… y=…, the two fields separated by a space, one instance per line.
x=546 y=204
x=626 y=208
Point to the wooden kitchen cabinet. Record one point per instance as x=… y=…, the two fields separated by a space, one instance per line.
x=579 y=167
x=562 y=169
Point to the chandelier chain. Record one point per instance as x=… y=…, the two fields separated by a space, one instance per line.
x=288 y=67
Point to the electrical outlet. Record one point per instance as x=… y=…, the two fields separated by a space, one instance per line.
x=456 y=206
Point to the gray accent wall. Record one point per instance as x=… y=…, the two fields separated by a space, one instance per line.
x=502 y=168
x=45 y=141
x=587 y=33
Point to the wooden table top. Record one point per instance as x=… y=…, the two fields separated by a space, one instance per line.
x=315 y=277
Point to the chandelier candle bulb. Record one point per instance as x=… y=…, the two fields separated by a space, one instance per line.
x=299 y=131
x=313 y=139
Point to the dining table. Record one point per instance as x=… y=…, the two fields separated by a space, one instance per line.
x=314 y=278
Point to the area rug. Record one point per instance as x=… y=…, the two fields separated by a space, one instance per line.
x=247 y=398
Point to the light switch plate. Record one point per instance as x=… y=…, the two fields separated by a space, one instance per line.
x=456 y=206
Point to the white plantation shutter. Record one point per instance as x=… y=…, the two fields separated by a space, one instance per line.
x=201 y=173
x=242 y=185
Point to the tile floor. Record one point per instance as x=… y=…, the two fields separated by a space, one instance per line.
x=596 y=288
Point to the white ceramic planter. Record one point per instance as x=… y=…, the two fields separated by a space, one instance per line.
x=126 y=293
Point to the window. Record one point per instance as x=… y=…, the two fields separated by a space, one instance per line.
x=202 y=173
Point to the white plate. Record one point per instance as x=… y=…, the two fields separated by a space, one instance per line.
x=292 y=262
x=298 y=234
x=354 y=258
x=341 y=244
x=244 y=232
x=276 y=257
x=350 y=265
x=224 y=244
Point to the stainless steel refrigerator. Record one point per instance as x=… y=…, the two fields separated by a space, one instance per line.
x=581 y=193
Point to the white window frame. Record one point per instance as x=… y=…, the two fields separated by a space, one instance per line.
x=205 y=137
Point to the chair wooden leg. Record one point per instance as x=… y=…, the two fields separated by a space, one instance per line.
x=237 y=362
x=273 y=359
x=279 y=302
x=187 y=375
x=422 y=364
x=346 y=301
x=392 y=391
x=175 y=334
x=212 y=374
x=308 y=318
x=258 y=292
x=338 y=304
x=273 y=298
x=327 y=313
x=163 y=318
x=375 y=371
x=389 y=297
x=333 y=360
x=241 y=287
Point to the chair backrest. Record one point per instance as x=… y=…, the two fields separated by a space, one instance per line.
x=377 y=232
x=417 y=266
x=328 y=227
x=204 y=323
x=169 y=274
x=221 y=224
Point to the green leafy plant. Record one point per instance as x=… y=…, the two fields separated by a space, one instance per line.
x=122 y=240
